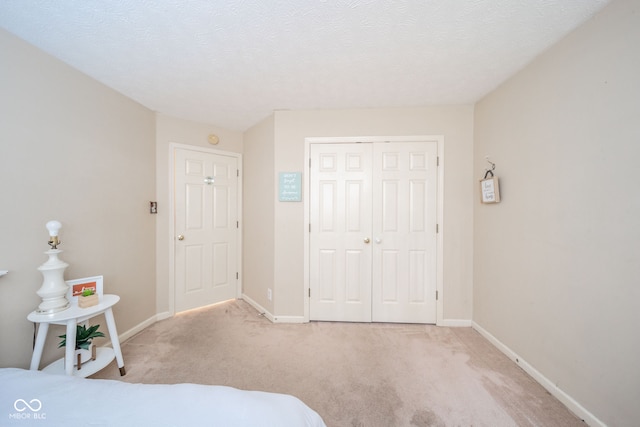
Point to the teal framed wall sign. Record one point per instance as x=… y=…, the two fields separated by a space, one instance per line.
x=290 y=188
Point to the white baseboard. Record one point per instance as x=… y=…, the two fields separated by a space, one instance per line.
x=163 y=315
x=455 y=323
x=263 y=311
x=545 y=382
x=137 y=329
x=140 y=327
x=288 y=319
x=271 y=317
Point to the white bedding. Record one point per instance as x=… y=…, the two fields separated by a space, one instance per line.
x=34 y=398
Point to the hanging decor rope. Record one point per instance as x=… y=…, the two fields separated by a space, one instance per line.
x=489 y=172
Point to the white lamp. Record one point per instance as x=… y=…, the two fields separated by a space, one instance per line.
x=54 y=289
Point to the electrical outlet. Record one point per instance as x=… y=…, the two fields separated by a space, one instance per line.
x=269 y=294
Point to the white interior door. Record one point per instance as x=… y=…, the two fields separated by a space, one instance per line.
x=206 y=226
x=404 y=232
x=373 y=232
x=340 y=264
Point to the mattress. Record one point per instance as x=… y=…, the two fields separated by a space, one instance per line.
x=35 y=398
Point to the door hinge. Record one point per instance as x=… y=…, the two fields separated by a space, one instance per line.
x=309 y=161
x=237 y=172
x=237 y=275
x=309 y=292
x=237 y=224
x=437 y=228
x=438 y=161
x=309 y=227
x=436 y=295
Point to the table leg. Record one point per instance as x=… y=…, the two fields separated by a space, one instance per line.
x=41 y=337
x=70 y=348
x=115 y=341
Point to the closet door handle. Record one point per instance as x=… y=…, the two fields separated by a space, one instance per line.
x=366 y=240
x=378 y=240
x=180 y=237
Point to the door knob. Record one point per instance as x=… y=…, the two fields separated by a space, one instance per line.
x=378 y=240
x=366 y=240
x=180 y=237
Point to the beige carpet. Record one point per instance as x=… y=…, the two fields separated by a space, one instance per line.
x=352 y=374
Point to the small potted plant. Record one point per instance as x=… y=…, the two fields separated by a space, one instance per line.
x=85 y=349
x=88 y=298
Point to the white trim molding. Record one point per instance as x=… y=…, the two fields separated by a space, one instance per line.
x=273 y=319
x=545 y=382
x=455 y=323
x=139 y=328
x=288 y=319
x=260 y=309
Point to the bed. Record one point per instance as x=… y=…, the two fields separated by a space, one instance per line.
x=40 y=399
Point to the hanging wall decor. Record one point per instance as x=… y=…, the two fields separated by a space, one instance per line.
x=490 y=186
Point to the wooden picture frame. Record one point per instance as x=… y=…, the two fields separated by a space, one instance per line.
x=490 y=190
x=76 y=287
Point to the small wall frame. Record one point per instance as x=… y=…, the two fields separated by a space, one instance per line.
x=290 y=187
x=490 y=190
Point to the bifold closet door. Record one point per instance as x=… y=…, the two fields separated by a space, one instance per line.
x=340 y=241
x=404 y=232
x=373 y=232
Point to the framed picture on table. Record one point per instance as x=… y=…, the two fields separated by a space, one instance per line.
x=77 y=286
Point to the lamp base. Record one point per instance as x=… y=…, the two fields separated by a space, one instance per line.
x=52 y=310
x=54 y=289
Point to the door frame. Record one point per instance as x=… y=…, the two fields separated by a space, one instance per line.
x=439 y=139
x=172 y=220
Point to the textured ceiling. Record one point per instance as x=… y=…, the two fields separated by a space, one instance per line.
x=231 y=63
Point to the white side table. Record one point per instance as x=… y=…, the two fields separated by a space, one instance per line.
x=71 y=317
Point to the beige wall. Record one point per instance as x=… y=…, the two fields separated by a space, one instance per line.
x=178 y=131
x=258 y=220
x=454 y=122
x=554 y=267
x=557 y=263
x=72 y=150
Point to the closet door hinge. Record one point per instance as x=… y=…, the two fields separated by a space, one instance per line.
x=438 y=161
x=237 y=172
x=237 y=224
x=237 y=275
x=436 y=295
x=437 y=228
x=309 y=292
